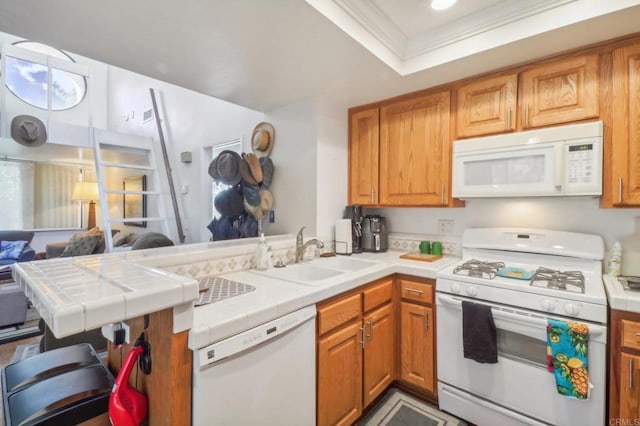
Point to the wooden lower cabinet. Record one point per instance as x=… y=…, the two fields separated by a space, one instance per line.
x=340 y=376
x=624 y=367
x=378 y=352
x=356 y=352
x=416 y=346
x=629 y=387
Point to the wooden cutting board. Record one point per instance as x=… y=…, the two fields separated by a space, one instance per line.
x=421 y=257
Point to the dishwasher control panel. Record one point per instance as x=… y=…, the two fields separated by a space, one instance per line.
x=250 y=338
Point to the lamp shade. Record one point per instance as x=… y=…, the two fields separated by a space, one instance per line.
x=85 y=191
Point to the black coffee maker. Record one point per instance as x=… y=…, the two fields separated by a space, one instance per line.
x=355 y=214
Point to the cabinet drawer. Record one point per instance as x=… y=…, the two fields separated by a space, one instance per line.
x=339 y=312
x=631 y=334
x=419 y=292
x=377 y=294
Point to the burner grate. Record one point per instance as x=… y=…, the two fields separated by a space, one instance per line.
x=558 y=280
x=479 y=269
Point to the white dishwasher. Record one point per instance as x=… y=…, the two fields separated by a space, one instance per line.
x=263 y=376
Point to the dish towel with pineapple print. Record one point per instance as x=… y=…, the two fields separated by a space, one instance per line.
x=567 y=344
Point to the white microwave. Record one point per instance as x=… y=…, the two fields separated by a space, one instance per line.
x=564 y=160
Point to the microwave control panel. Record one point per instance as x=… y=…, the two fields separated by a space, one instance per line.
x=580 y=163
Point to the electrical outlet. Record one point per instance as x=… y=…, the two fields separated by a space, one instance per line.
x=445 y=226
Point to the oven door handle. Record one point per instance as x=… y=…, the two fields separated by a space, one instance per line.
x=523 y=317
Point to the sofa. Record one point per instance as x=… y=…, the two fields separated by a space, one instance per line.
x=86 y=243
x=26 y=254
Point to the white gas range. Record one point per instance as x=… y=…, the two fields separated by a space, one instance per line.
x=527 y=277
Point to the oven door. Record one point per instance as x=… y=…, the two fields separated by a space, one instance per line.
x=519 y=383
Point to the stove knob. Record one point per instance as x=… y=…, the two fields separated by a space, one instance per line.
x=572 y=309
x=455 y=287
x=548 y=305
x=472 y=291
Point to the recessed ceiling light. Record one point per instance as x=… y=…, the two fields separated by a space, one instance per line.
x=442 y=4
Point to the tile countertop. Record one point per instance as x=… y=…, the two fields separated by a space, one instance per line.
x=619 y=298
x=75 y=294
x=273 y=298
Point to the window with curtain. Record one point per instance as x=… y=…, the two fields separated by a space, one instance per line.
x=38 y=195
x=216 y=188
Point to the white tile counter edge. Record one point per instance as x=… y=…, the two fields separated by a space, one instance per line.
x=273 y=298
x=618 y=298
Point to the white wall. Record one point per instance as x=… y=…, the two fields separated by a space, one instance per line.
x=294 y=157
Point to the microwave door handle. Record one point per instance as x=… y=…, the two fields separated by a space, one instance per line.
x=559 y=166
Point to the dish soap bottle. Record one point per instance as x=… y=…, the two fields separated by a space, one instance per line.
x=615 y=259
x=262 y=254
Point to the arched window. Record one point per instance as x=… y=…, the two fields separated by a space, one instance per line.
x=29 y=80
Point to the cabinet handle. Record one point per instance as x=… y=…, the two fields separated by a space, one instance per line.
x=508 y=118
x=370 y=335
x=442 y=195
x=426 y=321
x=526 y=115
x=362 y=341
x=620 y=189
x=630 y=373
x=414 y=290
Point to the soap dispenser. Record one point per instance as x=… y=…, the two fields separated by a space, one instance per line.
x=262 y=254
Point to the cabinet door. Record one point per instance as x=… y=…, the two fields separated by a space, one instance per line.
x=560 y=92
x=363 y=157
x=487 y=106
x=415 y=151
x=625 y=149
x=417 y=346
x=379 y=352
x=629 y=386
x=340 y=376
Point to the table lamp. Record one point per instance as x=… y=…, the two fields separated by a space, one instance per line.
x=87 y=191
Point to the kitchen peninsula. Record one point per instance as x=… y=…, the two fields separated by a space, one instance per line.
x=158 y=287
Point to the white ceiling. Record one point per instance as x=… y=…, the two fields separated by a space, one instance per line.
x=267 y=54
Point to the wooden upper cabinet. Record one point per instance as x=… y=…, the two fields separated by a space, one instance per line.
x=415 y=151
x=625 y=147
x=363 y=157
x=487 y=106
x=559 y=92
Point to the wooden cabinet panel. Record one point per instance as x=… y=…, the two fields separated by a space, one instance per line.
x=415 y=151
x=363 y=157
x=560 y=91
x=377 y=294
x=625 y=147
x=379 y=352
x=419 y=292
x=417 y=346
x=487 y=106
x=629 y=387
x=340 y=377
x=338 y=312
x=630 y=335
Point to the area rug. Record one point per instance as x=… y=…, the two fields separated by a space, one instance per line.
x=400 y=409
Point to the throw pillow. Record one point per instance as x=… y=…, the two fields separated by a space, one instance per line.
x=120 y=239
x=11 y=249
x=80 y=245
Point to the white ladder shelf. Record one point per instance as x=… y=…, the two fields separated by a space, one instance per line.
x=142 y=150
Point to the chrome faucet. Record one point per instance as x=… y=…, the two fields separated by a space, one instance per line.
x=302 y=247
